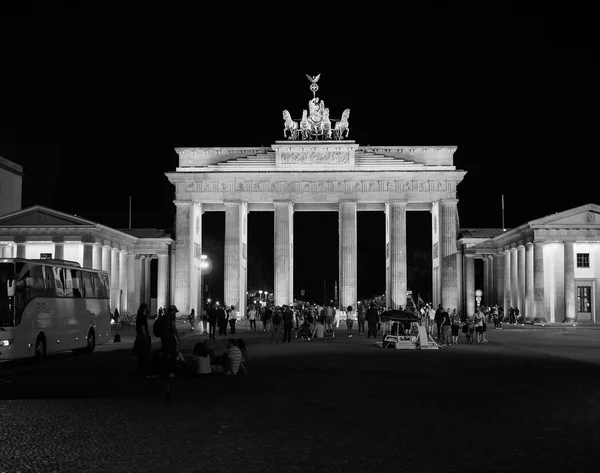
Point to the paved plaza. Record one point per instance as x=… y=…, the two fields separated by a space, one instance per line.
x=529 y=400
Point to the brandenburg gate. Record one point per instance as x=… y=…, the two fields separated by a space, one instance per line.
x=315 y=168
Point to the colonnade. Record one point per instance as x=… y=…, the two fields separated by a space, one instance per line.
x=235 y=270
x=513 y=276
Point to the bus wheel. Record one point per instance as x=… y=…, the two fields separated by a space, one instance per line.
x=91 y=342
x=40 y=349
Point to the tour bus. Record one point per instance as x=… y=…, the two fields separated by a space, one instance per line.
x=49 y=306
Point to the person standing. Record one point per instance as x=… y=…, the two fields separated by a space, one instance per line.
x=222 y=321
x=116 y=317
x=511 y=316
x=430 y=319
x=268 y=317
x=479 y=327
x=142 y=342
x=277 y=318
x=361 y=316
x=446 y=328
x=192 y=319
x=252 y=319
x=372 y=321
x=288 y=324
x=455 y=319
x=438 y=321
x=351 y=316
x=204 y=319
x=212 y=322
x=232 y=318
x=170 y=340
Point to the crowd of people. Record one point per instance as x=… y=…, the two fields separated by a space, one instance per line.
x=304 y=321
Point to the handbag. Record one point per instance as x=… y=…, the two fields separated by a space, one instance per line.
x=465 y=328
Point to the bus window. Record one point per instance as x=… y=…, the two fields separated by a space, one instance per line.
x=65 y=274
x=88 y=287
x=29 y=286
x=49 y=281
x=58 y=283
x=76 y=281
x=6 y=314
x=105 y=284
x=99 y=291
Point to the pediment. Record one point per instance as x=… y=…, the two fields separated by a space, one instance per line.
x=39 y=216
x=585 y=215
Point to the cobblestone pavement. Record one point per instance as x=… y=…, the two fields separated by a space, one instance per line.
x=517 y=403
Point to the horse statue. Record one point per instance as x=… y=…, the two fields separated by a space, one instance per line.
x=326 y=125
x=342 y=126
x=305 y=125
x=290 y=126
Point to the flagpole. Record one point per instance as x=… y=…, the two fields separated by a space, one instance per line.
x=129 y=212
x=503 y=228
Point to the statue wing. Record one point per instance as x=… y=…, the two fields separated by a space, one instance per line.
x=309 y=78
x=317 y=78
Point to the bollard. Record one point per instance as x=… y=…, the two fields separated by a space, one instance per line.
x=117 y=338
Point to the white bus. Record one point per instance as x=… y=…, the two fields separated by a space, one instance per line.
x=50 y=306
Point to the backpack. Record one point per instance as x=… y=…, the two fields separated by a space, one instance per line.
x=159 y=326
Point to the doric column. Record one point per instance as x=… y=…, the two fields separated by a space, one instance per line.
x=347 y=254
x=499 y=278
x=143 y=280
x=59 y=247
x=106 y=261
x=132 y=302
x=88 y=254
x=7 y=251
x=173 y=273
x=163 y=276
x=184 y=253
x=115 y=285
x=97 y=256
x=529 y=280
x=396 y=254
x=236 y=221
x=514 y=278
x=123 y=281
x=460 y=290
x=147 y=281
x=448 y=252
x=138 y=277
x=521 y=276
x=538 y=279
x=569 y=282
x=507 y=281
x=469 y=283
x=284 y=252
x=492 y=281
x=486 y=280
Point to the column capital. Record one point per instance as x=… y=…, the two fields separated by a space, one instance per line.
x=232 y=203
x=529 y=244
x=397 y=202
x=507 y=251
x=60 y=239
x=183 y=203
x=282 y=202
x=448 y=201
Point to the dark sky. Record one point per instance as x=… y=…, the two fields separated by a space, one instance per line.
x=93 y=103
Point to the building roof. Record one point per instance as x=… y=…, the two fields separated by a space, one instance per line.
x=480 y=232
x=146 y=232
x=10 y=166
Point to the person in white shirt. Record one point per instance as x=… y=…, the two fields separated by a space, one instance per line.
x=319 y=331
x=351 y=316
x=232 y=318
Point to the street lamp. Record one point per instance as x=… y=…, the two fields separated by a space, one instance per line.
x=203 y=267
x=260 y=295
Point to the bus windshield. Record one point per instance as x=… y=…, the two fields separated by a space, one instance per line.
x=6 y=312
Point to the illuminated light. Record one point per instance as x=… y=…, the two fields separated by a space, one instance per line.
x=29 y=345
x=57 y=341
x=76 y=339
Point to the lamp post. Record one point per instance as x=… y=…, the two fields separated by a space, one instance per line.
x=260 y=295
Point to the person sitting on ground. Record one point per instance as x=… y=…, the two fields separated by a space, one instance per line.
x=228 y=363
x=201 y=360
x=244 y=364
x=304 y=332
x=319 y=331
x=209 y=346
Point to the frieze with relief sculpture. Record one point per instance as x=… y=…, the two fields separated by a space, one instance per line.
x=315 y=157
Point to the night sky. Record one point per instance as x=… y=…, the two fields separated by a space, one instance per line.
x=94 y=103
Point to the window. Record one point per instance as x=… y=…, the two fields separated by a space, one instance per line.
x=35 y=282
x=100 y=285
x=88 y=287
x=58 y=282
x=65 y=274
x=76 y=279
x=583 y=260
x=49 y=281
